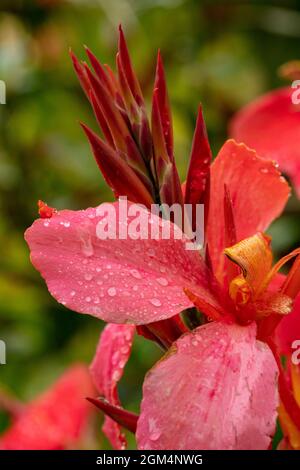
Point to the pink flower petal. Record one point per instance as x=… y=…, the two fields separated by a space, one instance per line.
x=112 y=353
x=120 y=281
x=257 y=190
x=57 y=419
x=271 y=126
x=216 y=389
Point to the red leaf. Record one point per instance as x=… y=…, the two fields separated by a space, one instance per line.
x=81 y=74
x=120 y=177
x=116 y=123
x=100 y=72
x=101 y=119
x=128 y=69
x=200 y=159
x=163 y=105
x=126 y=419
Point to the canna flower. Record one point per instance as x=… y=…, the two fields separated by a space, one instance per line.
x=270 y=125
x=216 y=386
x=55 y=420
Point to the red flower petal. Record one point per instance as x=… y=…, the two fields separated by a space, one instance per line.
x=257 y=190
x=55 y=420
x=112 y=354
x=288 y=329
x=215 y=389
x=271 y=126
x=117 y=280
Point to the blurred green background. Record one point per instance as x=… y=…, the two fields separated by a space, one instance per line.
x=220 y=53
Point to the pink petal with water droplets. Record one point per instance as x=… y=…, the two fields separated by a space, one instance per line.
x=119 y=281
x=107 y=368
x=215 y=389
x=57 y=419
x=257 y=190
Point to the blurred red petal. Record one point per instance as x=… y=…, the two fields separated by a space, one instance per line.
x=271 y=126
x=56 y=419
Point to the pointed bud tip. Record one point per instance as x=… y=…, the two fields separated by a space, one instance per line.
x=45 y=211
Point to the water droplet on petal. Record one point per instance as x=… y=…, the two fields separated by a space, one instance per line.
x=88 y=277
x=151 y=252
x=135 y=273
x=162 y=281
x=155 y=302
x=154 y=436
x=86 y=241
x=72 y=293
x=88 y=299
x=111 y=291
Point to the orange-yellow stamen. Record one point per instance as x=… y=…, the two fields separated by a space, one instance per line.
x=240 y=291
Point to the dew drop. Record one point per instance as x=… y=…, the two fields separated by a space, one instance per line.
x=155 y=302
x=111 y=291
x=115 y=358
x=86 y=242
x=88 y=299
x=151 y=252
x=135 y=273
x=162 y=281
x=154 y=436
x=88 y=277
x=72 y=293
